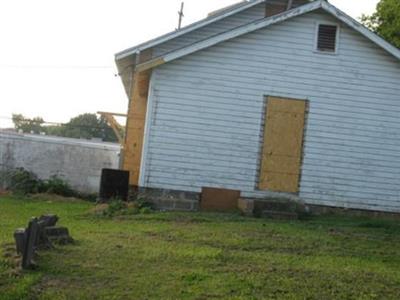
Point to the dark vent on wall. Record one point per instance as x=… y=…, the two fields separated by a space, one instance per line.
x=327 y=38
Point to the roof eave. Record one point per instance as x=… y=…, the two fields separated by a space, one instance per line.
x=187 y=29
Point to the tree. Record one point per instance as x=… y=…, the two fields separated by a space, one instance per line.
x=55 y=130
x=107 y=132
x=385 y=21
x=89 y=126
x=84 y=126
x=34 y=125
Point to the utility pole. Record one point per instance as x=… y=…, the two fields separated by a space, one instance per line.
x=181 y=15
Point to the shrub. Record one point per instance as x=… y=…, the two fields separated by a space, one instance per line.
x=141 y=203
x=116 y=206
x=145 y=210
x=23 y=181
x=142 y=206
x=132 y=210
x=56 y=185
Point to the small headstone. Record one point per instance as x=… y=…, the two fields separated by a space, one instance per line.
x=29 y=248
x=39 y=235
x=50 y=220
x=42 y=241
x=58 y=234
x=20 y=238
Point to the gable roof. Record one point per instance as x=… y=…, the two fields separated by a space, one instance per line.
x=259 y=24
x=213 y=17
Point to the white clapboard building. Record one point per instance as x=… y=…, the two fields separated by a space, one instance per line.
x=272 y=98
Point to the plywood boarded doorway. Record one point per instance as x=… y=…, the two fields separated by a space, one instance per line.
x=283 y=145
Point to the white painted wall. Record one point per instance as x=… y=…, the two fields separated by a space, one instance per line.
x=79 y=162
x=206 y=116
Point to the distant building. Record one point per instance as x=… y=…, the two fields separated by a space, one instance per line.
x=77 y=161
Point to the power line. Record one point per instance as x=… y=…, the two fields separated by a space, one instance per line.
x=59 y=124
x=6 y=66
x=34 y=121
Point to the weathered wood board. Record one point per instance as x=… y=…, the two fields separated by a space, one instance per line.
x=216 y=199
x=283 y=144
x=136 y=122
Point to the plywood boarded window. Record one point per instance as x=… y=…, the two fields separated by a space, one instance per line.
x=283 y=144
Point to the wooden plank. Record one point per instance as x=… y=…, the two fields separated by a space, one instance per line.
x=136 y=122
x=217 y=199
x=112 y=113
x=280 y=104
x=115 y=126
x=282 y=164
x=150 y=64
x=292 y=130
x=280 y=182
x=283 y=143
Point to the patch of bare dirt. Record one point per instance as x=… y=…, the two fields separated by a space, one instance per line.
x=3 y=192
x=98 y=209
x=53 y=198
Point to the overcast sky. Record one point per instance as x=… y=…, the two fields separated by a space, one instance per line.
x=57 y=56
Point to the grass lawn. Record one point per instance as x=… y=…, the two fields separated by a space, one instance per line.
x=204 y=256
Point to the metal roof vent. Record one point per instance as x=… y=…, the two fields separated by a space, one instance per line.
x=327 y=38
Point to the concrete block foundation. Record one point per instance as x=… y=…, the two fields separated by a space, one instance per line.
x=167 y=200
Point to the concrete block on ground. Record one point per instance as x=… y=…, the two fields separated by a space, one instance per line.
x=246 y=206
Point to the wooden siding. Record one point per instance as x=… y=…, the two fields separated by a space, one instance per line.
x=206 y=125
x=282 y=145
